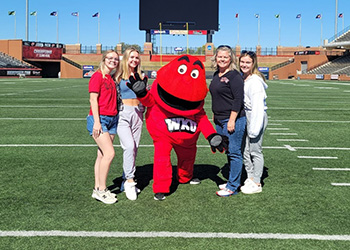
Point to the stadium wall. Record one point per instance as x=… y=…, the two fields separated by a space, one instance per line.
x=12 y=48
x=70 y=71
x=294 y=69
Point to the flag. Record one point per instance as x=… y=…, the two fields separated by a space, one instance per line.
x=33 y=13
x=318 y=16
x=257 y=16
x=75 y=13
x=236 y=15
x=298 y=16
x=340 y=15
x=277 y=15
x=12 y=13
x=119 y=17
x=54 y=13
x=97 y=14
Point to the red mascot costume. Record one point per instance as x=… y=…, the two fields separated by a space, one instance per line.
x=175 y=117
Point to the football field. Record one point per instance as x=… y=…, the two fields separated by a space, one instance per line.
x=46 y=177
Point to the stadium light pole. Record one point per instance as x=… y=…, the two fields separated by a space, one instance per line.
x=160 y=43
x=27 y=19
x=187 y=35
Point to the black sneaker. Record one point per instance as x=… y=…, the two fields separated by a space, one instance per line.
x=159 y=197
x=195 y=181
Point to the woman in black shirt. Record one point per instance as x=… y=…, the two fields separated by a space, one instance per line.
x=227 y=91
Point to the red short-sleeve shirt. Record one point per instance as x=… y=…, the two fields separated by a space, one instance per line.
x=107 y=93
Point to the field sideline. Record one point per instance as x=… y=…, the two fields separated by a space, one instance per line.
x=47 y=176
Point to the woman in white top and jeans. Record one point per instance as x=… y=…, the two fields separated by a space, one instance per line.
x=255 y=108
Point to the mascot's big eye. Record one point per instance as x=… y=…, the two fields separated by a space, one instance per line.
x=195 y=73
x=182 y=69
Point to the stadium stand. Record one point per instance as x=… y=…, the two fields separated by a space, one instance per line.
x=340 y=65
x=7 y=61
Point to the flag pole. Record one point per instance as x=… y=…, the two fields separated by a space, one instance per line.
x=321 y=30
x=15 y=26
x=300 y=32
x=78 y=27
x=279 y=30
x=36 y=28
x=259 y=30
x=238 y=29
x=57 y=27
x=119 y=27
x=336 y=19
x=98 y=27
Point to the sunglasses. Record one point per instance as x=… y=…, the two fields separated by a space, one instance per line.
x=250 y=53
x=224 y=46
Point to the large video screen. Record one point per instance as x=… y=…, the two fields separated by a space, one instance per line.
x=174 y=14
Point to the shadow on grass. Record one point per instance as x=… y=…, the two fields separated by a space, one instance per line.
x=225 y=173
x=144 y=176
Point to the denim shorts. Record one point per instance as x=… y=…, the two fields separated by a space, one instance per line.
x=108 y=123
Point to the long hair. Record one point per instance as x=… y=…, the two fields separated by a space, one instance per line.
x=227 y=48
x=124 y=70
x=102 y=66
x=254 y=58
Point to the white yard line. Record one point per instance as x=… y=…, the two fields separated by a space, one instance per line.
x=317 y=157
x=277 y=128
x=332 y=169
x=302 y=140
x=283 y=134
x=45 y=119
x=151 y=145
x=341 y=184
x=290 y=148
x=164 y=234
x=310 y=121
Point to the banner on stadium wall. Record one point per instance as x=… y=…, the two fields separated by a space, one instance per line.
x=15 y=72
x=264 y=71
x=319 y=77
x=179 y=32
x=34 y=52
x=163 y=32
x=88 y=71
x=197 y=32
x=334 y=77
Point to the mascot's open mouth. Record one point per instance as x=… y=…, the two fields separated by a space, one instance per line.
x=175 y=102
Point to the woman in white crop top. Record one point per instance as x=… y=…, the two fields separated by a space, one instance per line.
x=130 y=120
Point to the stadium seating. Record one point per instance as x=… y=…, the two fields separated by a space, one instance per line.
x=339 y=66
x=7 y=61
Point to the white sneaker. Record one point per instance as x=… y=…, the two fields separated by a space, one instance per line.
x=222 y=186
x=94 y=194
x=130 y=190
x=252 y=188
x=248 y=182
x=105 y=196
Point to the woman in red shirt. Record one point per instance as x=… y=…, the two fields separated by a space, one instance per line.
x=102 y=121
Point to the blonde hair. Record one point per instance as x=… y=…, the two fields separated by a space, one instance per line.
x=102 y=66
x=227 y=48
x=254 y=58
x=124 y=70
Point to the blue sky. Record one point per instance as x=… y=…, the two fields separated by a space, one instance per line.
x=129 y=22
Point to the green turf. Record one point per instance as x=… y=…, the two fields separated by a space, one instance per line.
x=49 y=187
